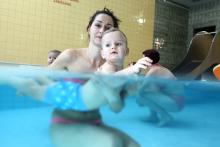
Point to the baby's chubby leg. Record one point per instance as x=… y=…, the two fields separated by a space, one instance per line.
x=97 y=93
x=27 y=86
x=152 y=117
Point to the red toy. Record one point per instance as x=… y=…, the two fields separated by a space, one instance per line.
x=216 y=71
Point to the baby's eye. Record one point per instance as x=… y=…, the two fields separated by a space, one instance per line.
x=107 y=45
x=118 y=44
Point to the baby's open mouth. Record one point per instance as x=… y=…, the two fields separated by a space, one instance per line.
x=114 y=52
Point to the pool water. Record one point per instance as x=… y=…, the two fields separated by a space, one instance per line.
x=197 y=125
x=25 y=127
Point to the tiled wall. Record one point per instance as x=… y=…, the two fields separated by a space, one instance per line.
x=30 y=28
x=204 y=15
x=175 y=25
x=171 y=24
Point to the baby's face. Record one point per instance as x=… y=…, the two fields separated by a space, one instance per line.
x=51 y=57
x=114 y=47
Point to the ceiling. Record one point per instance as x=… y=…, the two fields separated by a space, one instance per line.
x=188 y=3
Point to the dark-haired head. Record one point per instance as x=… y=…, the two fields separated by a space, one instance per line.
x=152 y=54
x=132 y=63
x=107 y=12
x=54 y=51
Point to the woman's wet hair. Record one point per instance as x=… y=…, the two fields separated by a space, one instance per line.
x=107 y=12
x=152 y=54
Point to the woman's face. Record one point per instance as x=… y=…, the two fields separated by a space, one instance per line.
x=101 y=23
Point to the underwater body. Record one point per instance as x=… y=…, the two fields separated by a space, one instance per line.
x=196 y=124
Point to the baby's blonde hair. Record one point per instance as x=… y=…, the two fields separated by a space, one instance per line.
x=115 y=30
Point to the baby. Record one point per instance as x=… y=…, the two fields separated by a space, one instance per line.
x=70 y=94
x=155 y=94
x=114 y=50
x=52 y=55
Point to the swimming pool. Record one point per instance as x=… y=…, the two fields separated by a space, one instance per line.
x=25 y=122
x=198 y=125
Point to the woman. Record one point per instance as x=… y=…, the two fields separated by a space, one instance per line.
x=82 y=129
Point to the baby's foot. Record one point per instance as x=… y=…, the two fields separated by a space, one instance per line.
x=165 y=120
x=151 y=119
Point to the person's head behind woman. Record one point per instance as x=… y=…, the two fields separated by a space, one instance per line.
x=99 y=22
x=152 y=54
x=52 y=55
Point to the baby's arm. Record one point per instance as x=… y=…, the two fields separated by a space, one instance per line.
x=142 y=63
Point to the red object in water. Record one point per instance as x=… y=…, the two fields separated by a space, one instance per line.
x=216 y=71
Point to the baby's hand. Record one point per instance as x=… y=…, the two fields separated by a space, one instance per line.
x=109 y=92
x=142 y=63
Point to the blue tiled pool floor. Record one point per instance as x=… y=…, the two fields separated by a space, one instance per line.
x=198 y=125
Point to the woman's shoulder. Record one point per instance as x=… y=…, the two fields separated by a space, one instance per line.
x=160 y=71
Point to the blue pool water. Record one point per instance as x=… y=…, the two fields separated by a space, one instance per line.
x=25 y=123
